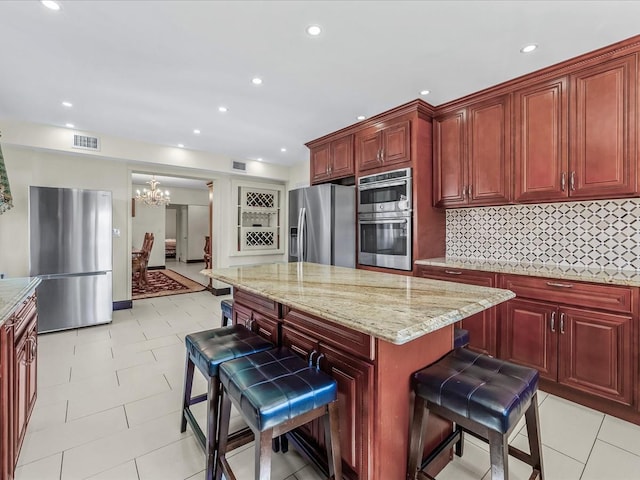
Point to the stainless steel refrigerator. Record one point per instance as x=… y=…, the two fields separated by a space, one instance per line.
x=322 y=225
x=70 y=247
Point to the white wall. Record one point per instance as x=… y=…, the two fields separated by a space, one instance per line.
x=299 y=175
x=188 y=196
x=170 y=228
x=197 y=229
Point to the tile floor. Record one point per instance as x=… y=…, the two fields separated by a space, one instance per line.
x=109 y=401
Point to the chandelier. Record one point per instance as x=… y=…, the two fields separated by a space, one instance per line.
x=153 y=197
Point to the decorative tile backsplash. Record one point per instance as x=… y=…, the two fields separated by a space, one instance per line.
x=604 y=233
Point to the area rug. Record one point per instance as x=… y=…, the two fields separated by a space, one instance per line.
x=164 y=282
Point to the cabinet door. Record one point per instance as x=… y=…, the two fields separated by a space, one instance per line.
x=603 y=130
x=489 y=156
x=529 y=335
x=242 y=315
x=265 y=327
x=368 y=149
x=320 y=159
x=5 y=443
x=450 y=175
x=396 y=144
x=354 y=378
x=541 y=142
x=482 y=326
x=21 y=392
x=596 y=353
x=342 y=164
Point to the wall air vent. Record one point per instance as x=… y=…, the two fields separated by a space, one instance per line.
x=239 y=167
x=86 y=143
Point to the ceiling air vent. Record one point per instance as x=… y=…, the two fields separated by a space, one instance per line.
x=239 y=167
x=86 y=143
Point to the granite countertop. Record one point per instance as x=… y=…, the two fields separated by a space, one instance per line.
x=585 y=274
x=395 y=308
x=12 y=292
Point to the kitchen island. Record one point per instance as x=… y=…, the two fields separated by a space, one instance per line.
x=370 y=331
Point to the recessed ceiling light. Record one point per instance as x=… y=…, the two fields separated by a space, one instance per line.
x=222 y=109
x=67 y=104
x=50 y=4
x=256 y=81
x=283 y=149
x=181 y=145
x=528 y=48
x=70 y=125
x=196 y=131
x=314 y=30
x=259 y=159
x=361 y=117
x=425 y=92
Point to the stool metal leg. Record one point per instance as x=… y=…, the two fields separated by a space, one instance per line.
x=499 y=453
x=188 y=384
x=418 y=423
x=533 y=432
x=263 y=454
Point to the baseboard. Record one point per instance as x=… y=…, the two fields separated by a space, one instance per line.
x=158 y=267
x=122 y=305
x=196 y=261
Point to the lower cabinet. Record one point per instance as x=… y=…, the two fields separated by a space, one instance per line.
x=586 y=349
x=5 y=393
x=482 y=326
x=24 y=382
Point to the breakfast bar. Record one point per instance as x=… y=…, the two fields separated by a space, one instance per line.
x=370 y=331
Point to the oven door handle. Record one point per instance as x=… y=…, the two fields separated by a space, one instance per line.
x=371 y=222
x=383 y=185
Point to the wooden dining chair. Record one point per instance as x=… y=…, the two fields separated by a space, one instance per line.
x=140 y=260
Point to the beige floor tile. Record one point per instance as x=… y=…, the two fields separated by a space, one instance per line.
x=282 y=465
x=621 y=434
x=45 y=469
x=471 y=466
x=126 y=471
x=52 y=373
x=73 y=389
x=119 y=350
x=159 y=405
x=181 y=459
x=568 y=427
x=59 y=438
x=125 y=360
x=108 y=452
x=47 y=416
x=308 y=473
x=607 y=462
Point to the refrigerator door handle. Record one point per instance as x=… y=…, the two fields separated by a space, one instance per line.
x=302 y=220
x=66 y=275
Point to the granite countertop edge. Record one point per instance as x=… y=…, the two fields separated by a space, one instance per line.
x=12 y=292
x=621 y=277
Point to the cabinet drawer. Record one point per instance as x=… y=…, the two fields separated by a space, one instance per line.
x=471 y=277
x=344 y=338
x=258 y=303
x=604 y=297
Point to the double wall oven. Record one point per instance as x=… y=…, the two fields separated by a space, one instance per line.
x=385 y=219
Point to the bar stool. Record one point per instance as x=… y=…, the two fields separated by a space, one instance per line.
x=207 y=350
x=276 y=391
x=484 y=396
x=460 y=337
x=227 y=312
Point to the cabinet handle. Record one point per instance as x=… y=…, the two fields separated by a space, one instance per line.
x=562 y=323
x=559 y=285
x=464 y=191
x=378 y=156
x=382 y=155
x=452 y=272
x=563 y=181
x=311 y=357
x=553 y=322
x=469 y=191
x=320 y=357
x=572 y=181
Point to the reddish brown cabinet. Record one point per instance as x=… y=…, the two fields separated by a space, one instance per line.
x=25 y=381
x=603 y=154
x=5 y=392
x=383 y=145
x=577 y=334
x=541 y=130
x=332 y=160
x=482 y=326
x=472 y=154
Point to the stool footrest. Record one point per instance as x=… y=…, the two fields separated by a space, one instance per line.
x=453 y=438
x=197 y=431
x=197 y=399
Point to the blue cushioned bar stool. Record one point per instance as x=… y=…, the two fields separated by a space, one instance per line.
x=481 y=395
x=276 y=391
x=207 y=350
x=227 y=312
x=460 y=337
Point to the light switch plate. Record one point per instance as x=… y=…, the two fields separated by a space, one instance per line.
x=116 y=232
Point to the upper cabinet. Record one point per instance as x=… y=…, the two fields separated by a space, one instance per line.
x=379 y=146
x=575 y=136
x=602 y=139
x=472 y=155
x=332 y=160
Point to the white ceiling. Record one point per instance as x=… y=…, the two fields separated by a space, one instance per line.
x=154 y=71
